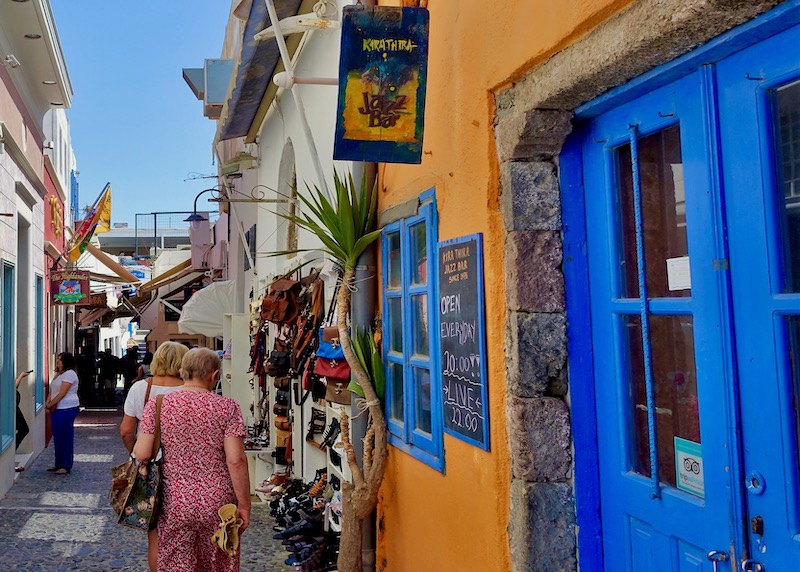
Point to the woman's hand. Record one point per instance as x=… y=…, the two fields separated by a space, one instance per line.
x=244 y=514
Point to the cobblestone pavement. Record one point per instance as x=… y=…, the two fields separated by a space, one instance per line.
x=55 y=523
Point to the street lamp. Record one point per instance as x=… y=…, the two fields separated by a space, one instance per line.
x=195 y=218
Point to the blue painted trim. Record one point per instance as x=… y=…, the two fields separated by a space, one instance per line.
x=481 y=337
x=644 y=315
x=776 y=20
x=39 y=362
x=426 y=447
x=580 y=358
x=8 y=354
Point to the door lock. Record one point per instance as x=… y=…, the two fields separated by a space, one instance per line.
x=717 y=556
x=753 y=566
x=757 y=525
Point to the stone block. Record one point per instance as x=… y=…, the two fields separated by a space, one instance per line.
x=536 y=352
x=534 y=281
x=530 y=197
x=542 y=528
x=539 y=438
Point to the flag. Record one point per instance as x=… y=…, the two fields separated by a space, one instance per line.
x=97 y=220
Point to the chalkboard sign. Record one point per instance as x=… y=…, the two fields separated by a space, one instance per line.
x=462 y=340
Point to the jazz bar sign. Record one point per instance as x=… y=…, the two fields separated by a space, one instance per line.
x=70 y=287
x=382 y=78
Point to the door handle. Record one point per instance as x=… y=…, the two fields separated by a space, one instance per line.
x=752 y=566
x=717 y=556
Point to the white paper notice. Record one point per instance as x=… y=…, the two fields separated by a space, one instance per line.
x=678 y=275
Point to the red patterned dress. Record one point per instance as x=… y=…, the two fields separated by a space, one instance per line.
x=196 y=478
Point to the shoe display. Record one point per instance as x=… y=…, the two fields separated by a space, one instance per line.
x=316 y=424
x=275 y=480
x=331 y=433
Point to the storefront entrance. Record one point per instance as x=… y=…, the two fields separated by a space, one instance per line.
x=692 y=196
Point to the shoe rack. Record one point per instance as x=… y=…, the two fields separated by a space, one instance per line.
x=342 y=470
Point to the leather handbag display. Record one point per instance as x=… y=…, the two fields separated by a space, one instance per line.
x=282 y=382
x=141 y=504
x=329 y=345
x=282 y=423
x=278 y=363
x=332 y=368
x=336 y=391
x=281 y=305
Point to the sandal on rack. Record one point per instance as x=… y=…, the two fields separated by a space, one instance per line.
x=316 y=424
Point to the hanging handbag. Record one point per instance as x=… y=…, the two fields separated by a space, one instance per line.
x=282 y=423
x=281 y=305
x=282 y=397
x=282 y=382
x=278 y=363
x=336 y=391
x=332 y=368
x=141 y=504
x=329 y=345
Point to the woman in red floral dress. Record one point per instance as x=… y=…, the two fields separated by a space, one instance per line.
x=204 y=467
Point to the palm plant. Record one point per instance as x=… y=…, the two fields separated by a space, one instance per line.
x=345 y=228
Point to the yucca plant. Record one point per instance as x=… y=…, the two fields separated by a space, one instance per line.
x=344 y=225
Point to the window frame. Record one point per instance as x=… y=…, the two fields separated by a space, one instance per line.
x=7 y=353
x=428 y=448
x=39 y=359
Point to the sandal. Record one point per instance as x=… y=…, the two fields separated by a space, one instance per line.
x=316 y=424
x=62 y=472
x=52 y=469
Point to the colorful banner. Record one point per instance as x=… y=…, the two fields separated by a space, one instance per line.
x=382 y=79
x=97 y=220
x=70 y=287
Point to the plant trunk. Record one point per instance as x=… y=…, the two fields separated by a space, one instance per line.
x=350 y=540
x=360 y=497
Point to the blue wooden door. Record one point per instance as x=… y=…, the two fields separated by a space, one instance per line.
x=665 y=420
x=692 y=195
x=759 y=121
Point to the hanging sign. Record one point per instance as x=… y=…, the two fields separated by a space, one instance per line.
x=382 y=79
x=69 y=287
x=462 y=340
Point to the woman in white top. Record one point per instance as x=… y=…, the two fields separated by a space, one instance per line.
x=64 y=406
x=166 y=367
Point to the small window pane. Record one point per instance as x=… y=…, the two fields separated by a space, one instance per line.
x=787 y=100
x=675 y=384
x=419 y=258
x=393 y=252
x=663 y=216
x=394 y=307
x=793 y=342
x=419 y=312
x=422 y=381
x=395 y=378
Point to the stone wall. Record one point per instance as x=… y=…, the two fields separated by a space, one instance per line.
x=532 y=121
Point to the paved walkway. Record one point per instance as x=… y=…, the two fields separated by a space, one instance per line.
x=52 y=523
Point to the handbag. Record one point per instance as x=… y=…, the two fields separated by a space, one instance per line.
x=278 y=363
x=281 y=305
x=282 y=423
x=141 y=504
x=332 y=368
x=336 y=391
x=282 y=382
x=329 y=345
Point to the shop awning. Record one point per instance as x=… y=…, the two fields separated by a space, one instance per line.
x=88 y=316
x=258 y=62
x=175 y=273
x=204 y=311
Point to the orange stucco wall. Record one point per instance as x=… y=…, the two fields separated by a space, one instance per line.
x=458 y=521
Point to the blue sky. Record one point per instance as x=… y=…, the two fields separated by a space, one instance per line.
x=134 y=121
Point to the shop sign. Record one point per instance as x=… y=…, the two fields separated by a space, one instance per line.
x=69 y=287
x=97 y=300
x=689 y=467
x=462 y=340
x=383 y=70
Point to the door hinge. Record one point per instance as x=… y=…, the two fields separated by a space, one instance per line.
x=721 y=264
